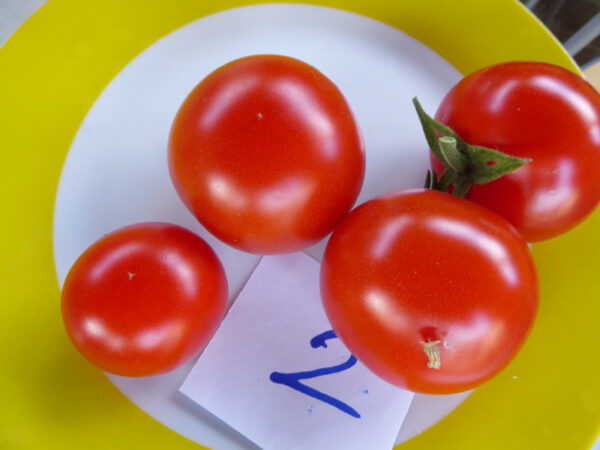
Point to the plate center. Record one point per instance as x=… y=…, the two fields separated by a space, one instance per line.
x=116 y=172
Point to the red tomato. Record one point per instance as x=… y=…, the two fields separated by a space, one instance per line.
x=266 y=154
x=144 y=299
x=538 y=111
x=420 y=271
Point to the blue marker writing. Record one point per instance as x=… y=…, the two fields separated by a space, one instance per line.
x=292 y=380
x=320 y=339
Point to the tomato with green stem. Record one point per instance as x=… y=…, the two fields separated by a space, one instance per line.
x=535 y=111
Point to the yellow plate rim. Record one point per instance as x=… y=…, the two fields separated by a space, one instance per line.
x=53 y=69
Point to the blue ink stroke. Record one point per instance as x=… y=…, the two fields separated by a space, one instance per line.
x=292 y=380
x=319 y=340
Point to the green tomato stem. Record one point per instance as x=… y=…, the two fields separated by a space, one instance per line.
x=464 y=164
x=448 y=178
x=452 y=157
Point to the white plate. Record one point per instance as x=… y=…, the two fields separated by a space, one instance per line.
x=116 y=171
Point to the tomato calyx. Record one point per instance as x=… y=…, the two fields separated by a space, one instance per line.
x=464 y=164
x=432 y=350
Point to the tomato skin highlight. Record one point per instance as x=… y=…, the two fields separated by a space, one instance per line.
x=538 y=111
x=419 y=266
x=265 y=152
x=144 y=299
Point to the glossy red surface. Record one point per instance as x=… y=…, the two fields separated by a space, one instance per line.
x=538 y=111
x=421 y=266
x=266 y=154
x=144 y=299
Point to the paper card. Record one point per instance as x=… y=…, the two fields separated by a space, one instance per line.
x=276 y=372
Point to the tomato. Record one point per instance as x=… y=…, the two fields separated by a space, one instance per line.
x=536 y=111
x=431 y=292
x=144 y=299
x=265 y=152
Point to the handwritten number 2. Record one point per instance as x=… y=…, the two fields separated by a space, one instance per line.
x=292 y=380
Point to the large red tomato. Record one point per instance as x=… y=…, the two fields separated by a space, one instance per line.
x=431 y=292
x=266 y=154
x=144 y=299
x=537 y=111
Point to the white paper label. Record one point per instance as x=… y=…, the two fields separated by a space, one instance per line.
x=276 y=372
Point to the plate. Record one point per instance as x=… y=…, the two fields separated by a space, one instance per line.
x=115 y=173
x=48 y=85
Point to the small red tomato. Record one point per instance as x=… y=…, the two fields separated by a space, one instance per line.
x=432 y=293
x=266 y=154
x=538 y=111
x=144 y=299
